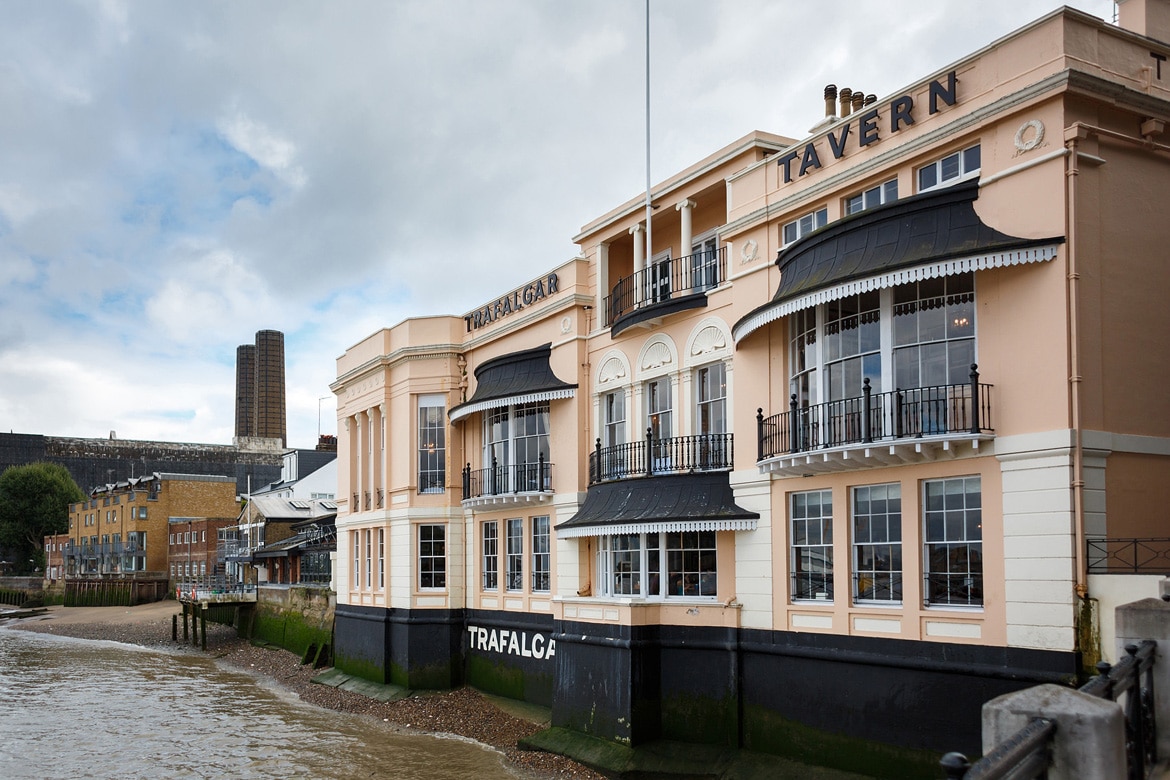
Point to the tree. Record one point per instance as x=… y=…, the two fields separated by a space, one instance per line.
x=34 y=502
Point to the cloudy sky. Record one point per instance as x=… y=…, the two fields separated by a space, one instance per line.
x=175 y=176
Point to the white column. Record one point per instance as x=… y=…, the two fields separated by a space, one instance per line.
x=684 y=209
x=603 y=286
x=641 y=261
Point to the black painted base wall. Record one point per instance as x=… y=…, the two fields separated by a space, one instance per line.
x=797 y=694
x=418 y=649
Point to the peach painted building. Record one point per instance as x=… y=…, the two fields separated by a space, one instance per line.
x=852 y=430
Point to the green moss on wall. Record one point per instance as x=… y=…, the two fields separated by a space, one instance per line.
x=767 y=732
x=495 y=678
x=700 y=719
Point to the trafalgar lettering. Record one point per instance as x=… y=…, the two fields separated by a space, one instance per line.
x=867 y=128
x=512 y=302
x=518 y=643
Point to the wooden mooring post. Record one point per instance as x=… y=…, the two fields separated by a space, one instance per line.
x=174 y=628
x=186 y=635
x=203 y=626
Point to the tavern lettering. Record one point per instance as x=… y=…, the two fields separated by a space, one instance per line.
x=868 y=128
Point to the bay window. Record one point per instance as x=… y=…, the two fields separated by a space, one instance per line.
x=916 y=338
x=658 y=565
x=516 y=448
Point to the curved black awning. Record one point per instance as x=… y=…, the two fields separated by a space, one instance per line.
x=921 y=237
x=676 y=502
x=515 y=378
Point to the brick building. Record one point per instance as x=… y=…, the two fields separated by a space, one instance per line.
x=124 y=527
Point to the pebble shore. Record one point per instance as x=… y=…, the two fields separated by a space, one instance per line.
x=463 y=712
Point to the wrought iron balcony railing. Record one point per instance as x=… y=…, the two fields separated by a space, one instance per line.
x=674 y=455
x=666 y=280
x=937 y=410
x=501 y=479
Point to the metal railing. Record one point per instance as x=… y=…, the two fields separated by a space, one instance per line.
x=936 y=410
x=502 y=478
x=664 y=280
x=1028 y=753
x=1129 y=556
x=673 y=455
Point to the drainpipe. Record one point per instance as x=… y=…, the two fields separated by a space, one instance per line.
x=1073 y=135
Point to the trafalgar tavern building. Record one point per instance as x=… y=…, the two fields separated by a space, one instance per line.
x=825 y=463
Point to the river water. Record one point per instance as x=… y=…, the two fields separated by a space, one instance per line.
x=77 y=708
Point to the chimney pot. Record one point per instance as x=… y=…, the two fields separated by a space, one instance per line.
x=846 y=95
x=858 y=100
x=830 y=100
x=870 y=99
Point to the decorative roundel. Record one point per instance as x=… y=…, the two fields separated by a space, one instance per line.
x=1030 y=135
x=566 y=324
x=748 y=253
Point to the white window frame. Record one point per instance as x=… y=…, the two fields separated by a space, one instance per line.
x=613 y=418
x=871 y=580
x=801 y=226
x=381 y=559
x=514 y=554
x=810 y=522
x=541 y=534
x=950 y=169
x=650 y=558
x=490 y=555
x=432 y=444
x=877 y=195
x=436 y=571
x=951 y=507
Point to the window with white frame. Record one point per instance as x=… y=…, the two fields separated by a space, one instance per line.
x=711 y=417
x=705 y=262
x=886 y=192
x=952 y=516
x=541 y=555
x=514 y=554
x=516 y=448
x=711 y=399
x=929 y=342
x=877 y=543
x=811 y=514
x=852 y=342
x=934 y=331
x=369 y=569
x=654 y=565
x=490 y=548
x=799 y=228
x=952 y=169
x=613 y=407
x=432 y=556
x=381 y=559
x=659 y=419
x=432 y=444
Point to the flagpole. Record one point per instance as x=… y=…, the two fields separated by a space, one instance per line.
x=649 y=208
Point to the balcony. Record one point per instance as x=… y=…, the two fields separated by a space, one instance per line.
x=664 y=288
x=508 y=485
x=651 y=457
x=875 y=429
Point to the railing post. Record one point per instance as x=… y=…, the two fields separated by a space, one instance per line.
x=540 y=472
x=974 y=398
x=794 y=426
x=649 y=451
x=495 y=477
x=759 y=434
x=899 y=428
x=866 y=395
x=596 y=476
x=955 y=765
